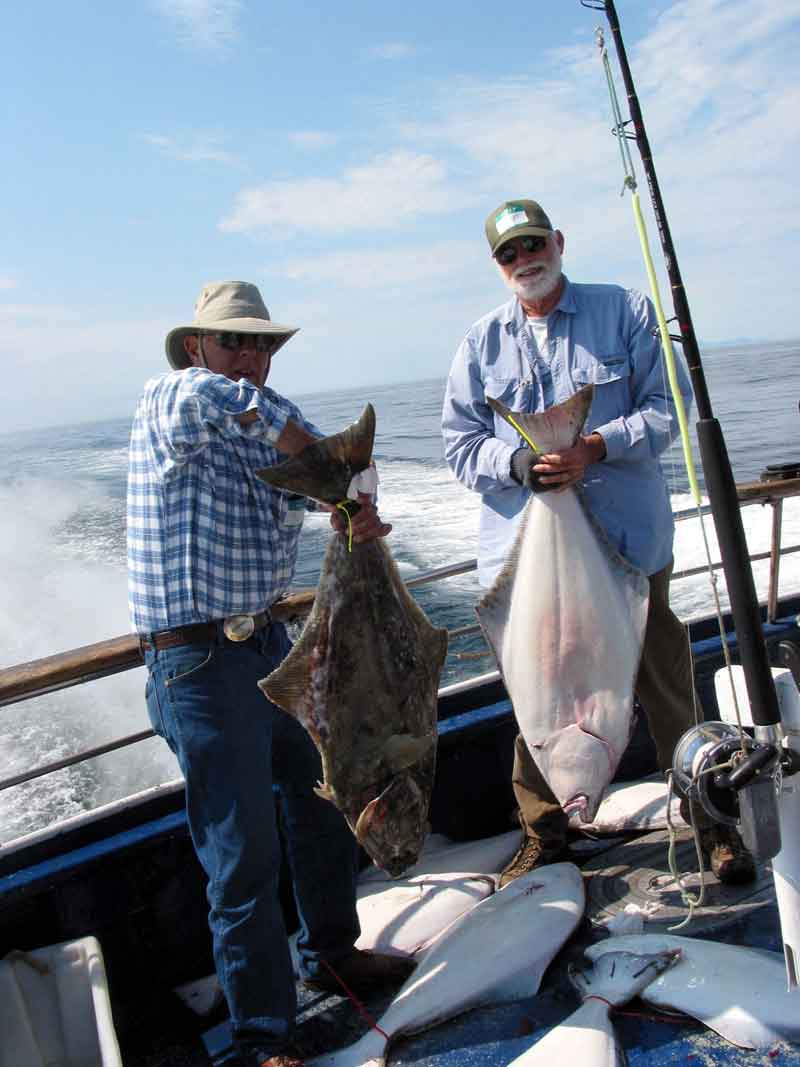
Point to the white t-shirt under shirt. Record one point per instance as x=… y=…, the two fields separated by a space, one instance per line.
x=538 y=327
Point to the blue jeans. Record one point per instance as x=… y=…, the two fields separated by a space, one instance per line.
x=233 y=746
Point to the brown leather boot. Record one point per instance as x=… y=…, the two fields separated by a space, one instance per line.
x=728 y=858
x=532 y=853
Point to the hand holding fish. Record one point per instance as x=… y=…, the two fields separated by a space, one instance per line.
x=560 y=470
x=366 y=524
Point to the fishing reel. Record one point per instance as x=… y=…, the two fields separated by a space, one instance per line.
x=735 y=780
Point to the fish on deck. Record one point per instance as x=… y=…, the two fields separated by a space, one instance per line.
x=587 y=1037
x=634 y=807
x=363 y=677
x=565 y=619
x=440 y=855
x=492 y=954
x=404 y=917
x=737 y=991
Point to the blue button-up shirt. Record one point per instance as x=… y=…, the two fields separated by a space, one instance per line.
x=206 y=537
x=601 y=334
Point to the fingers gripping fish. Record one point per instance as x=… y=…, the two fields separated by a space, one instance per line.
x=363 y=677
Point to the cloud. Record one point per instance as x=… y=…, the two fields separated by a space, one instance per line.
x=203 y=149
x=312 y=139
x=392 y=50
x=206 y=25
x=7 y=282
x=384 y=193
x=101 y=366
x=418 y=266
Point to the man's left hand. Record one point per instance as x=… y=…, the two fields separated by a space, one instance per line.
x=560 y=470
x=367 y=524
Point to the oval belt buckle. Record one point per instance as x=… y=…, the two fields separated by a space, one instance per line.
x=239 y=627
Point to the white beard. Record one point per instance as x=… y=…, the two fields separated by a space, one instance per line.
x=538 y=285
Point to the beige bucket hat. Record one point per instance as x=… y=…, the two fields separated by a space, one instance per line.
x=226 y=306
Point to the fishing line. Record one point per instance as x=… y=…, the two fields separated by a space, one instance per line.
x=357 y=1004
x=629 y=183
x=510 y=418
x=344 y=506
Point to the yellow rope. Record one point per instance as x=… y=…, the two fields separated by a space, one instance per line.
x=510 y=418
x=669 y=354
x=344 y=506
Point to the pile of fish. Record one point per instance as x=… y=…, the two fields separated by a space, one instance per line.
x=363 y=678
x=494 y=953
x=565 y=619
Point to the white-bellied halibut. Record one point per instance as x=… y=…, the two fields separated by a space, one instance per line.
x=496 y=952
x=586 y=1038
x=737 y=991
x=566 y=619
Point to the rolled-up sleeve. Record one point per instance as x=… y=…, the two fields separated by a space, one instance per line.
x=477 y=458
x=652 y=423
x=191 y=405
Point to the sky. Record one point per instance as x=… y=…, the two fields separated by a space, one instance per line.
x=343 y=156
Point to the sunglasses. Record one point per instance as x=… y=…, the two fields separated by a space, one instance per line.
x=232 y=342
x=508 y=252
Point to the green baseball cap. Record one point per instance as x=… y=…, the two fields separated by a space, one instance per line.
x=515 y=218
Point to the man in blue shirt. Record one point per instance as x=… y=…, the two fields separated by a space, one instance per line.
x=549 y=340
x=210 y=548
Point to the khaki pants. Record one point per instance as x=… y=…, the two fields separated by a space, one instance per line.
x=664 y=689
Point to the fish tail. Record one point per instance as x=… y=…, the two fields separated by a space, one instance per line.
x=363 y=1053
x=557 y=427
x=324 y=469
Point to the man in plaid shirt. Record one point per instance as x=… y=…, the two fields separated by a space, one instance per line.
x=210 y=548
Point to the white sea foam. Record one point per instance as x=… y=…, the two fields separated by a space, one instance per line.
x=54 y=600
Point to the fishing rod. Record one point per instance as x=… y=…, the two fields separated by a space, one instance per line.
x=716 y=464
x=749 y=789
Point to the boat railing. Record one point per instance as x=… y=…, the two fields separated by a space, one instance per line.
x=77 y=666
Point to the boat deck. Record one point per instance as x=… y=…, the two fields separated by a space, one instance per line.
x=617 y=871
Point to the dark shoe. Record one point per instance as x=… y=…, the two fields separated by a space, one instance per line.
x=728 y=858
x=532 y=853
x=362 y=973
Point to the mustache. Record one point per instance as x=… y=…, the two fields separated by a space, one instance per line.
x=537 y=268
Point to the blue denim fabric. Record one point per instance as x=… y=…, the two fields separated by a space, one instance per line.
x=233 y=746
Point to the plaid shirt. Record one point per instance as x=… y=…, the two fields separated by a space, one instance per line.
x=206 y=537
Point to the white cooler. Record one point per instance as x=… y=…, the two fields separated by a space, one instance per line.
x=54 y=1008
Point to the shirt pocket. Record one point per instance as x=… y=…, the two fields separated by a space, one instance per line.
x=611 y=377
x=513 y=393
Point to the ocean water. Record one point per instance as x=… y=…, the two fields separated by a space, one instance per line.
x=62 y=553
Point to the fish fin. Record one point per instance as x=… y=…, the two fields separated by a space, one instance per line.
x=324 y=791
x=619 y=976
x=285 y=687
x=404 y=750
x=370 y=1051
x=324 y=469
x=557 y=427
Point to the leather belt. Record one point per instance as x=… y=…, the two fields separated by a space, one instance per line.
x=235 y=628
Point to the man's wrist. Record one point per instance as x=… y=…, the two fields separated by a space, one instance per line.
x=597 y=444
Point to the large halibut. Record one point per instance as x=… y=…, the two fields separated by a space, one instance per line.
x=494 y=953
x=565 y=619
x=363 y=677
